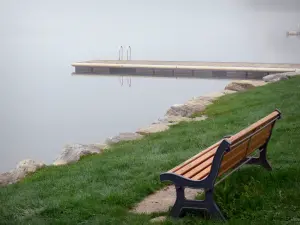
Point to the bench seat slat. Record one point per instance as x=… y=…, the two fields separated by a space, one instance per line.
x=199 y=168
x=196 y=162
x=194 y=157
x=203 y=174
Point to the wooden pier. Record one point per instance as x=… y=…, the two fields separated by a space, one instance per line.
x=182 y=68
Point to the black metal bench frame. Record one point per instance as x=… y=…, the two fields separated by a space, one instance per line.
x=208 y=183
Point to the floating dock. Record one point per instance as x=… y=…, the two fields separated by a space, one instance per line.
x=182 y=68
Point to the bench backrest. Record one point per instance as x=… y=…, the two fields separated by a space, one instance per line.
x=247 y=141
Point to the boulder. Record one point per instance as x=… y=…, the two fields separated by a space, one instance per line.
x=227 y=92
x=279 y=76
x=5 y=179
x=178 y=110
x=123 y=137
x=170 y=120
x=102 y=146
x=73 y=152
x=213 y=96
x=23 y=168
x=293 y=74
x=153 y=128
x=200 y=118
x=189 y=108
x=158 y=219
x=242 y=85
x=181 y=112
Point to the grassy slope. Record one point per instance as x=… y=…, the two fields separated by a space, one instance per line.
x=100 y=189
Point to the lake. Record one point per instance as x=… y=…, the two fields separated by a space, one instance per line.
x=44 y=106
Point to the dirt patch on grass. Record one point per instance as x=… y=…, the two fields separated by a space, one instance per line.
x=162 y=200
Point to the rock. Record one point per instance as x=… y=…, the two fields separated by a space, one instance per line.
x=200 y=118
x=191 y=107
x=162 y=200
x=177 y=110
x=213 y=96
x=243 y=85
x=23 y=168
x=279 y=76
x=29 y=165
x=123 y=137
x=227 y=92
x=153 y=128
x=171 y=120
x=102 y=146
x=72 y=153
x=5 y=179
x=297 y=73
x=158 y=219
x=194 y=105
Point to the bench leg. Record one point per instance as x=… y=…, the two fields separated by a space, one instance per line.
x=262 y=159
x=212 y=207
x=180 y=199
x=208 y=204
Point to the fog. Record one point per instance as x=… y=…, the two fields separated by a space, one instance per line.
x=233 y=30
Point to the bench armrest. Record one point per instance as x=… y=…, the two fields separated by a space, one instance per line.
x=182 y=181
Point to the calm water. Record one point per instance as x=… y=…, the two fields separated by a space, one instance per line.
x=44 y=107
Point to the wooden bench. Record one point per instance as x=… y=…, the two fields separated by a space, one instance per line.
x=222 y=158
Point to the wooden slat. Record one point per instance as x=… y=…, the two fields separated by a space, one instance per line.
x=249 y=145
x=236 y=150
x=202 y=174
x=199 y=168
x=233 y=157
x=196 y=162
x=252 y=128
x=203 y=168
x=259 y=139
x=257 y=143
x=194 y=157
x=232 y=162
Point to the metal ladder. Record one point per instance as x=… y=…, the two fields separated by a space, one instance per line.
x=128 y=53
x=128 y=57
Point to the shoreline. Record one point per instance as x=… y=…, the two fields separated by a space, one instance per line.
x=177 y=113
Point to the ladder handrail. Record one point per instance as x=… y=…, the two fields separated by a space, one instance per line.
x=128 y=55
x=121 y=48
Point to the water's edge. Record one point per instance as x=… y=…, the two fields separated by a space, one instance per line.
x=175 y=114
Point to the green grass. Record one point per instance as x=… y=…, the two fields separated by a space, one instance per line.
x=101 y=188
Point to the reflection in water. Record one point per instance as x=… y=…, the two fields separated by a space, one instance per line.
x=121 y=80
x=128 y=80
